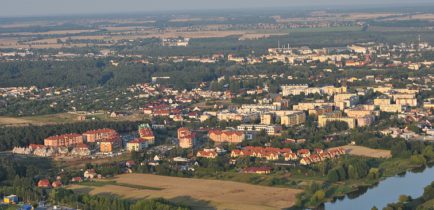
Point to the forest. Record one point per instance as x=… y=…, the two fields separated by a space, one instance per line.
x=98 y=72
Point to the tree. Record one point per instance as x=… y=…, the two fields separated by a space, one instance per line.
x=428 y=192
x=404 y=198
x=374 y=173
x=341 y=172
x=319 y=196
x=399 y=149
x=428 y=152
x=333 y=175
x=418 y=159
x=352 y=173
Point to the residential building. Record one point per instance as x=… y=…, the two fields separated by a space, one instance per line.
x=137 y=145
x=311 y=105
x=146 y=133
x=293 y=118
x=44 y=183
x=64 y=140
x=186 y=138
x=110 y=145
x=10 y=199
x=345 y=100
x=98 y=135
x=226 y=136
x=267 y=119
x=269 y=129
x=258 y=170
x=207 y=154
x=335 y=116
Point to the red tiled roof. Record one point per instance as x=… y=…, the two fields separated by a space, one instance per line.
x=207 y=153
x=137 y=140
x=303 y=151
x=64 y=136
x=226 y=132
x=36 y=146
x=44 y=183
x=103 y=130
x=82 y=146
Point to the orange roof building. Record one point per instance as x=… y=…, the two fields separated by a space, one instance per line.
x=186 y=138
x=146 y=133
x=110 y=145
x=207 y=154
x=99 y=134
x=44 y=183
x=64 y=140
x=226 y=136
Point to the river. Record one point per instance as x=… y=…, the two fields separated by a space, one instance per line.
x=387 y=191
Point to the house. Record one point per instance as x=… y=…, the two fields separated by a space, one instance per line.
x=303 y=153
x=130 y=163
x=318 y=150
x=207 y=154
x=294 y=141
x=56 y=184
x=147 y=111
x=235 y=153
x=76 y=179
x=44 y=183
x=271 y=156
x=258 y=170
x=290 y=156
x=178 y=118
x=10 y=199
x=90 y=174
x=81 y=150
x=137 y=144
x=305 y=161
x=315 y=158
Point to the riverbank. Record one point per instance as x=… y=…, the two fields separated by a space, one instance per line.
x=364 y=186
x=315 y=195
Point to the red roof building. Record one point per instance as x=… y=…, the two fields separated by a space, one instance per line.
x=186 y=137
x=44 y=183
x=207 y=154
x=226 y=136
x=258 y=170
x=56 y=184
x=64 y=140
x=99 y=134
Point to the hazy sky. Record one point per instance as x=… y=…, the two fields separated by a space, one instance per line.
x=59 y=7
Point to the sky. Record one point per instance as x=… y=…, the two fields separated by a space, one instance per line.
x=71 y=7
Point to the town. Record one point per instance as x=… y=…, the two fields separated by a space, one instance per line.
x=248 y=111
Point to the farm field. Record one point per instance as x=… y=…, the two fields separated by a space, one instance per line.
x=38 y=120
x=51 y=119
x=367 y=152
x=199 y=193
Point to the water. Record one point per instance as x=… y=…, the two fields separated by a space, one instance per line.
x=387 y=191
